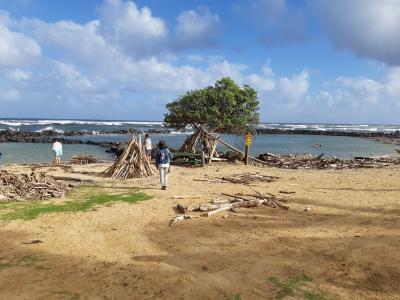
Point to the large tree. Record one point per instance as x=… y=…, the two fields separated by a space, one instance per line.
x=224 y=107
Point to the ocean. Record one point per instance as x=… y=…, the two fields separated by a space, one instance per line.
x=339 y=146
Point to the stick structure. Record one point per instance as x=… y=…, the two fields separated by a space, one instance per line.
x=132 y=163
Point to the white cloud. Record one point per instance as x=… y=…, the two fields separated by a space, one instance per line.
x=134 y=30
x=71 y=77
x=369 y=28
x=19 y=75
x=356 y=92
x=363 y=89
x=393 y=83
x=197 y=29
x=76 y=41
x=292 y=90
x=5 y=18
x=16 y=48
x=288 y=91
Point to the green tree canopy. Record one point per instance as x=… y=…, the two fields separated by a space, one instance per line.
x=224 y=107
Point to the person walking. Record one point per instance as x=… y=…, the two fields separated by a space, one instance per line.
x=163 y=159
x=147 y=146
x=58 y=152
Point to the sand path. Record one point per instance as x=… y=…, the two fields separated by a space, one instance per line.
x=348 y=243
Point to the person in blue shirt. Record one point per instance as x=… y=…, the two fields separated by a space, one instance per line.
x=163 y=160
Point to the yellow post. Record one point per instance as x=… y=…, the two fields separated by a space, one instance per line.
x=249 y=139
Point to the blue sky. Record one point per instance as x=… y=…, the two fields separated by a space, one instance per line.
x=310 y=60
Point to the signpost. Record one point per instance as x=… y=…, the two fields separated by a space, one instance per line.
x=249 y=139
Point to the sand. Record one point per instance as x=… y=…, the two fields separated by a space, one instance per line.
x=347 y=244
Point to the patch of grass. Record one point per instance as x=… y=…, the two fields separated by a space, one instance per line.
x=84 y=200
x=5 y=266
x=233 y=297
x=25 y=261
x=298 y=287
x=71 y=295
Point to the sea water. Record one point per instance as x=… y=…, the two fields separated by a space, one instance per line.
x=339 y=146
x=42 y=153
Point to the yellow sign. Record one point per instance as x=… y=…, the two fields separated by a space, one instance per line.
x=249 y=139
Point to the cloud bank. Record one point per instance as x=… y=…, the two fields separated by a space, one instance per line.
x=369 y=28
x=121 y=63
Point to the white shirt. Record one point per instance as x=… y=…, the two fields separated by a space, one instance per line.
x=57 y=146
x=147 y=144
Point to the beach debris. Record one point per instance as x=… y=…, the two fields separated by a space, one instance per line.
x=307 y=208
x=83 y=159
x=230 y=203
x=244 y=178
x=32 y=242
x=397 y=150
x=34 y=167
x=34 y=186
x=132 y=163
x=202 y=141
x=248 y=178
x=286 y=192
x=308 y=161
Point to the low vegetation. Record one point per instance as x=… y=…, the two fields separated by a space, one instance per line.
x=298 y=287
x=81 y=200
x=25 y=261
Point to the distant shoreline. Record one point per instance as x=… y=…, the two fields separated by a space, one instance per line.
x=10 y=136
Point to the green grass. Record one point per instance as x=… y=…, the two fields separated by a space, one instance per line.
x=25 y=261
x=68 y=294
x=84 y=199
x=299 y=288
x=233 y=297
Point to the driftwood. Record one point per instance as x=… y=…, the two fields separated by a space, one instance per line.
x=74 y=179
x=34 y=167
x=83 y=159
x=132 y=163
x=34 y=186
x=217 y=138
x=232 y=203
x=308 y=161
x=246 y=178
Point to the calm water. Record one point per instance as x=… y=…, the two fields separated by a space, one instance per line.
x=32 y=152
x=343 y=147
x=339 y=146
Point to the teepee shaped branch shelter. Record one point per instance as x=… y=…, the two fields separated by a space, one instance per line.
x=132 y=163
x=201 y=141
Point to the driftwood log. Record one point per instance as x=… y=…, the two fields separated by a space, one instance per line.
x=232 y=203
x=84 y=159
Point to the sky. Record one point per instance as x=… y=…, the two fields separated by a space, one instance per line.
x=311 y=61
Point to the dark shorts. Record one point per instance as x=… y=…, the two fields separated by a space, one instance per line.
x=148 y=152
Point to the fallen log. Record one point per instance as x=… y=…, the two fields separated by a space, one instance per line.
x=65 y=178
x=238 y=201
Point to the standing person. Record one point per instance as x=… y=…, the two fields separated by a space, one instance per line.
x=147 y=146
x=58 y=152
x=163 y=159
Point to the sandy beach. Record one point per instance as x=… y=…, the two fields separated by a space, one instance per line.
x=339 y=240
